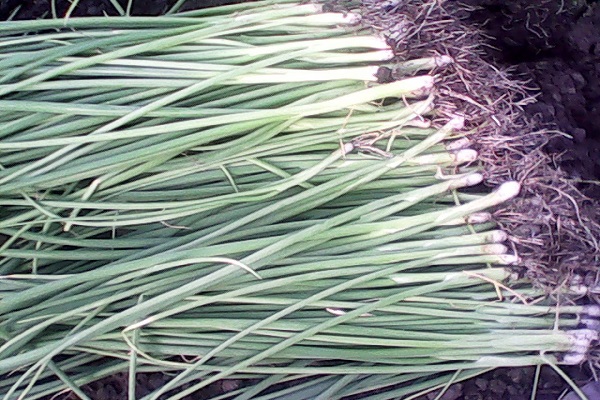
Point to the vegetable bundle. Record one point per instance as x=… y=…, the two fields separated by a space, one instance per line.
x=234 y=193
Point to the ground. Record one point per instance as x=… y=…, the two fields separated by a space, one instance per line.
x=556 y=45
x=553 y=44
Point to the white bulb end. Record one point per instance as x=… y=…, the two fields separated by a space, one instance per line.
x=509 y=259
x=479 y=218
x=458 y=144
x=419 y=85
x=468 y=180
x=584 y=337
x=353 y=18
x=508 y=190
x=592 y=310
x=457 y=122
x=591 y=323
x=576 y=279
x=348 y=147
x=387 y=55
x=497 y=237
x=443 y=61
x=465 y=156
x=495 y=249
x=379 y=42
x=312 y=7
x=419 y=123
x=474 y=179
x=578 y=290
x=573 y=359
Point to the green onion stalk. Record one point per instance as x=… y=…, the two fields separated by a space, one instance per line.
x=233 y=193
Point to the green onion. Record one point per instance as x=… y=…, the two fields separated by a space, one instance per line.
x=232 y=194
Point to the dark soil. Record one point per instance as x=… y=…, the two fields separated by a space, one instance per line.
x=553 y=44
x=556 y=46
x=33 y=9
x=500 y=384
x=512 y=384
x=116 y=388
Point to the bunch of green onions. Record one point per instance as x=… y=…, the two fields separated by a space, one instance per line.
x=231 y=194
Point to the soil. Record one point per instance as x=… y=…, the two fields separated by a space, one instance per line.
x=556 y=46
x=552 y=44
x=18 y=9
x=512 y=384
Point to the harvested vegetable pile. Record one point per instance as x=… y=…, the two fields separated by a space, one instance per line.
x=265 y=192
